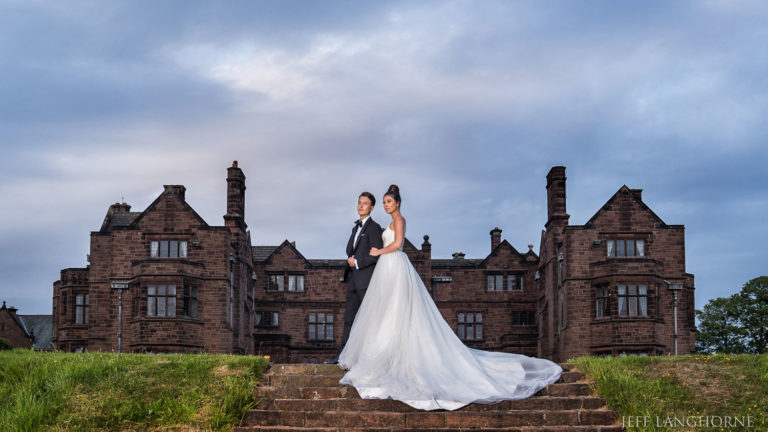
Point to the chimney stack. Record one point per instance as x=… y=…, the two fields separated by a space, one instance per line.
x=119 y=208
x=495 y=238
x=235 y=216
x=458 y=255
x=556 y=195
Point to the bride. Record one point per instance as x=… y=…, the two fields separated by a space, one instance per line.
x=400 y=347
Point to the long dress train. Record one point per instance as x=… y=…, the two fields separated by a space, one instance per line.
x=400 y=347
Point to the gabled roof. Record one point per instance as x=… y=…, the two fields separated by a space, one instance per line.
x=156 y=202
x=622 y=190
x=408 y=245
x=118 y=220
x=263 y=254
x=16 y=319
x=505 y=244
x=41 y=327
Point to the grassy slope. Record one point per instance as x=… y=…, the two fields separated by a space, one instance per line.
x=106 y=391
x=690 y=385
x=103 y=391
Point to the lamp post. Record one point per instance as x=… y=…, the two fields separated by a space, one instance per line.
x=120 y=286
x=675 y=288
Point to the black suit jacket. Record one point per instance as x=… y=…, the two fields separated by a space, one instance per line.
x=369 y=237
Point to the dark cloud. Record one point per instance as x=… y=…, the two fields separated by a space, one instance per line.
x=465 y=105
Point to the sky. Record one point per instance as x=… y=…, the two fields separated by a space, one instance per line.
x=466 y=105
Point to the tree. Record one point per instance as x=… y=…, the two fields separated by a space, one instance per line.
x=719 y=328
x=736 y=324
x=752 y=308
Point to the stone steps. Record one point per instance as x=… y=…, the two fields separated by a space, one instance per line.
x=422 y=420
x=331 y=379
x=612 y=428
x=302 y=397
x=348 y=404
x=329 y=369
x=344 y=392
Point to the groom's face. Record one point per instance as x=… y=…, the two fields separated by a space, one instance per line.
x=364 y=206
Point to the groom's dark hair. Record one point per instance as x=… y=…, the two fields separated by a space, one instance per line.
x=370 y=197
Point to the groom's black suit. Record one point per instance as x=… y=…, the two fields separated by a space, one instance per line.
x=359 y=278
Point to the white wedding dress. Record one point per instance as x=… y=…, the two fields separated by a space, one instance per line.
x=400 y=347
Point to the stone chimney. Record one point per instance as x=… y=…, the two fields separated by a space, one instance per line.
x=113 y=209
x=556 y=195
x=179 y=190
x=235 y=191
x=638 y=193
x=119 y=208
x=458 y=255
x=495 y=238
x=235 y=216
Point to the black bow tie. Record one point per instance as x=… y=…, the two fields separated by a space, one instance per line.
x=358 y=223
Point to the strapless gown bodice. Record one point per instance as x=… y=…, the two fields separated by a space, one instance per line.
x=388 y=237
x=400 y=347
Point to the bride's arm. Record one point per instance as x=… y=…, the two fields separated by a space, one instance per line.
x=395 y=245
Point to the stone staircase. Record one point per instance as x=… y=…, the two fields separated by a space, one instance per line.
x=309 y=398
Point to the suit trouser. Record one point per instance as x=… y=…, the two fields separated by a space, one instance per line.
x=354 y=299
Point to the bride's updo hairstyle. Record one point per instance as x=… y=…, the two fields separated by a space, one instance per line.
x=394 y=192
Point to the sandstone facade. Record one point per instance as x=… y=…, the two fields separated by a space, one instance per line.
x=228 y=296
x=13 y=329
x=162 y=280
x=604 y=287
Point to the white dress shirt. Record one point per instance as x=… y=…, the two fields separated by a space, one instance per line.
x=357 y=234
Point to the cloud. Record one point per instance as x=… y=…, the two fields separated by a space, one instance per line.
x=465 y=105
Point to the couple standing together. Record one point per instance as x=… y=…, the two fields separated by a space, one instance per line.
x=396 y=343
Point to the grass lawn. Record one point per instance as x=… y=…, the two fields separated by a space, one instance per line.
x=196 y=392
x=656 y=393
x=125 y=392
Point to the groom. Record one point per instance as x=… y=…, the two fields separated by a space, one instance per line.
x=365 y=234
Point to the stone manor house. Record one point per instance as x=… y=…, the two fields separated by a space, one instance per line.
x=163 y=280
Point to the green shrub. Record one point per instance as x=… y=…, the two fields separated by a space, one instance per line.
x=5 y=345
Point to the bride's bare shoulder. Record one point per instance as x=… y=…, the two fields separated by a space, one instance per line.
x=401 y=222
x=397 y=221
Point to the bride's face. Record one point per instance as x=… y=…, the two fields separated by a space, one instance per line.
x=389 y=204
